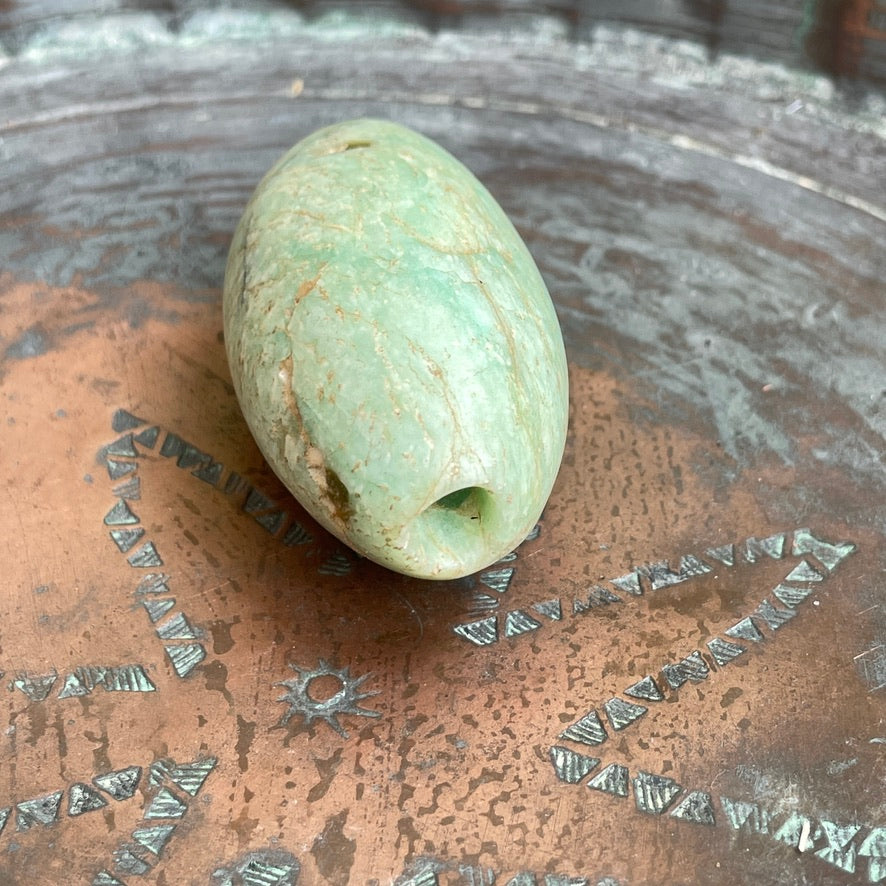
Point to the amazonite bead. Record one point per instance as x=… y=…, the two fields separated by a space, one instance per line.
x=395 y=351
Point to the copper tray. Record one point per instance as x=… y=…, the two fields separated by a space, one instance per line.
x=679 y=678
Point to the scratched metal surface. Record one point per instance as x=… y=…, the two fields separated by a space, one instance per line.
x=679 y=678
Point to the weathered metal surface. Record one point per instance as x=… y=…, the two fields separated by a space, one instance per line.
x=679 y=678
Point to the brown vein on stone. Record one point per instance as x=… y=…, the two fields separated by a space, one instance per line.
x=333 y=493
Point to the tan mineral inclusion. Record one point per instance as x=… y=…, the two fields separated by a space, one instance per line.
x=395 y=350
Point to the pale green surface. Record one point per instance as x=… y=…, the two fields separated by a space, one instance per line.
x=392 y=342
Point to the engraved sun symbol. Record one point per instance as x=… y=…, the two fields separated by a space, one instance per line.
x=345 y=700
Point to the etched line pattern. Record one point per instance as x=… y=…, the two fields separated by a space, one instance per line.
x=871 y=666
x=46 y=809
x=570 y=766
x=266 y=867
x=844 y=845
x=498 y=580
x=486 y=630
x=848 y=846
x=482 y=632
x=179 y=637
x=171 y=787
x=267 y=513
x=517 y=621
x=427 y=871
x=611 y=780
x=654 y=793
x=82 y=681
x=338 y=563
x=84 y=798
x=121 y=459
x=698 y=665
x=658 y=576
x=126 y=678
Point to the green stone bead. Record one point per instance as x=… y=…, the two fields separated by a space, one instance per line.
x=395 y=350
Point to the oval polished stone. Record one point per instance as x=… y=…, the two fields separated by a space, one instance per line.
x=395 y=351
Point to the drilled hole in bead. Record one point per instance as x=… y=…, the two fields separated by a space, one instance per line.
x=469 y=502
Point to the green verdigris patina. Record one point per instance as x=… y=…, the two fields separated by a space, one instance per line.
x=395 y=350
